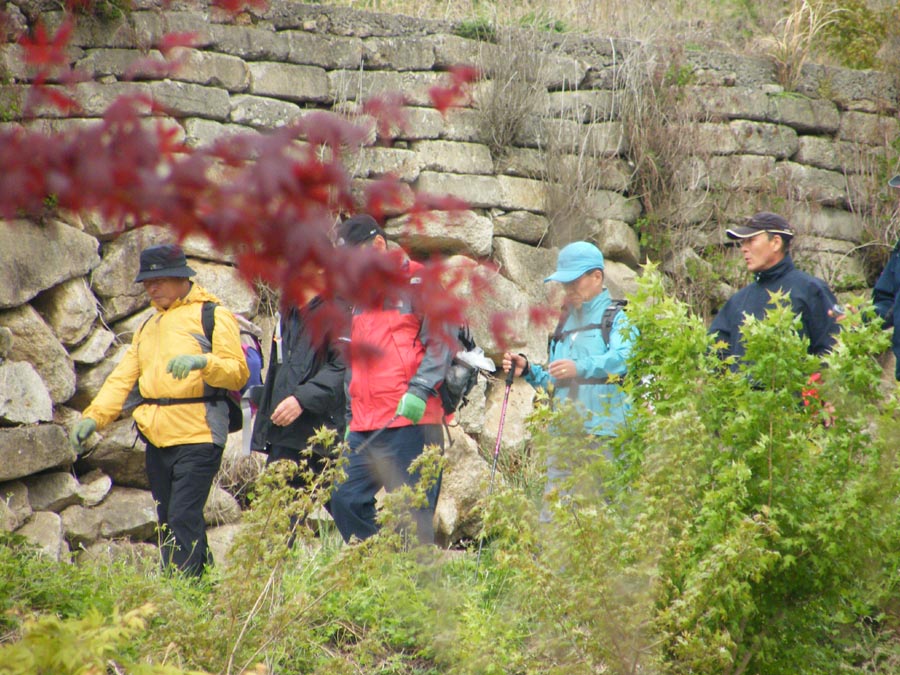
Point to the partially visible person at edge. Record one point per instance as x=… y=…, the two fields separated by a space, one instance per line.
x=182 y=417
x=886 y=294
x=580 y=362
x=397 y=363
x=765 y=240
x=304 y=385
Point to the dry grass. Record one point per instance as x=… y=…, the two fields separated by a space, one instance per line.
x=709 y=23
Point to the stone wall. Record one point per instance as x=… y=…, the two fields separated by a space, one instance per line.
x=68 y=305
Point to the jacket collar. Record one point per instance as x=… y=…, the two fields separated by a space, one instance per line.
x=777 y=270
x=595 y=303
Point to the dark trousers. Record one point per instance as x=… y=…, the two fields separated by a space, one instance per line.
x=383 y=460
x=180 y=480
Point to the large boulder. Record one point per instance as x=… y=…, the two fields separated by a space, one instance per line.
x=221 y=508
x=27 y=450
x=125 y=513
x=443 y=232
x=515 y=433
x=53 y=491
x=45 y=531
x=118 y=454
x=35 y=342
x=94 y=348
x=24 y=398
x=34 y=258
x=92 y=377
x=15 y=495
x=70 y=308
x=225 y=282
x=462 y=486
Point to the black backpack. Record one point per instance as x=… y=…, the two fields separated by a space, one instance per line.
x=461 y=376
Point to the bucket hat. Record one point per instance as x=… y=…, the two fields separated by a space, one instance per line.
x=166 y=260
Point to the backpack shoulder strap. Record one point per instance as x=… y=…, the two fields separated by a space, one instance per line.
x=208 y=319
x=609 y=317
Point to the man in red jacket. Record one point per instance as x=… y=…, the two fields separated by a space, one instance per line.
x=396 y=366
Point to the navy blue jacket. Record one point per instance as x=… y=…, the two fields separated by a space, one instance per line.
x=810 y=298
x=886 y=297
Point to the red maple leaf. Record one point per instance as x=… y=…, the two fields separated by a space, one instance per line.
x=46 y=52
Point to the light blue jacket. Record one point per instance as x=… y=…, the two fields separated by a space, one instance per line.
x=605 y=403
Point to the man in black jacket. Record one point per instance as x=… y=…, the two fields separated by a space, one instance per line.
x=304 y=385
x=765 y=241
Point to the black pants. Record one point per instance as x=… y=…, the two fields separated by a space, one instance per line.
x=312 y=461
x=180 y=480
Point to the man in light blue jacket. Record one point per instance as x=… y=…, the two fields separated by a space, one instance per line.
x=587 y=352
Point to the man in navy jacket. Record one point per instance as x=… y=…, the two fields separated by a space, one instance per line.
x=765 y=240
x=886 y=294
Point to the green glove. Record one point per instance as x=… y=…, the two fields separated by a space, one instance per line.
x=180 y=366
x=411 y=407
x=80 y=433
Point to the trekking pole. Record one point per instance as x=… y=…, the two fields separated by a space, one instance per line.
x=509 y=380
x=365 y=443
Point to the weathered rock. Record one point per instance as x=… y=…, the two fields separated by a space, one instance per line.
x=119 y=455
x=860 y=127
x=618 y=241
x=93 y=487
x=125 y=329
x=127 y=512
x=463 y=485
x=93 y=349
x=91 y=378
x=356 y=85
x=15 y=495
x=226 y=284
x=70 y=308
x=34 y=258
x=289 y=81
x=135 y=554
x=6 y=341
x=526 y=266
x=371 y=162
x=220 y=540
x=454 y=157
x=52 y=491
x=582 y=106
x=523 y=226
x=443 y=231
x=113 y=280
x=45 y=531
x=8 y=519
x=34 y=342
x=323 y=50
x=806 y=115
x=519 y=406
x=476 y=191
x=221 y=508
x=203 y=133
x=260 y=112
x=24 y=398
x=804 y=183
x=619 y=278
x=504 y=297
x=398 y=53
x=27 y=450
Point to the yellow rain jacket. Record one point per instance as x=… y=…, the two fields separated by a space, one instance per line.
x=169 y=333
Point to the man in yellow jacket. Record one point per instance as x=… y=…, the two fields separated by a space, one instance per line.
x=182 y=416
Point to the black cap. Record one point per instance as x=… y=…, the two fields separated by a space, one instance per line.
x=895 y=181
x=358 y=230
x=761 y=222
x=166 y=260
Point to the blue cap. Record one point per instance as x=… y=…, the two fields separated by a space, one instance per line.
x=576 y=259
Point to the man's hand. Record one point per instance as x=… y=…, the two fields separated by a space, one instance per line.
x=80 y=433
x=511 y=360
x=286 y=412
x=180 y=366
x=563 y=369
x=411 y=407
